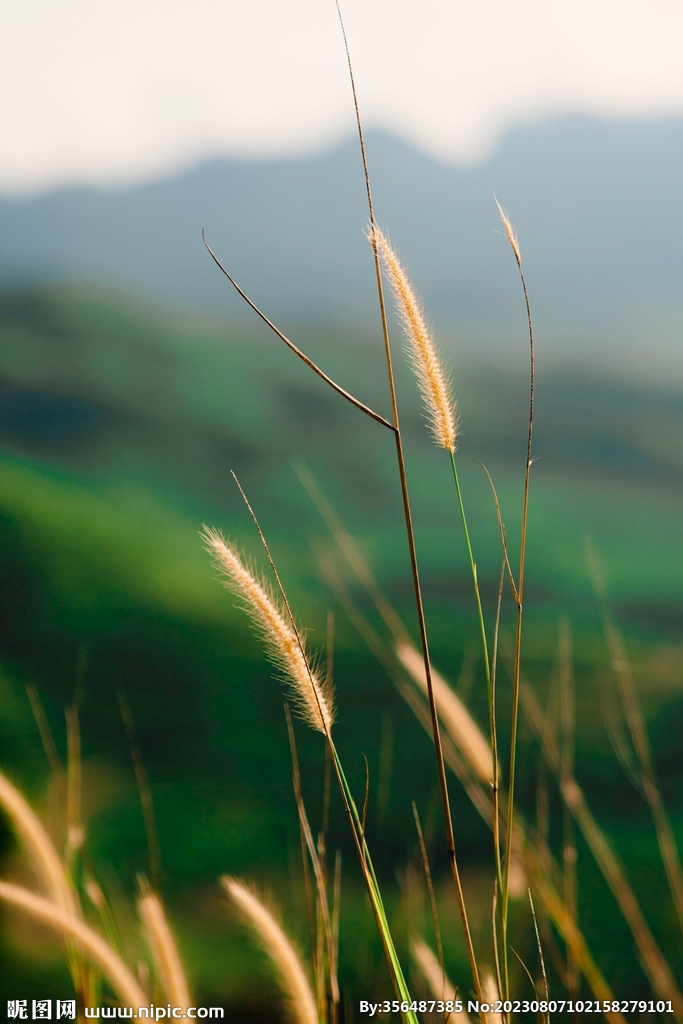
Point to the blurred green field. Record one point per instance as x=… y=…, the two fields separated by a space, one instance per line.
x=119 y=426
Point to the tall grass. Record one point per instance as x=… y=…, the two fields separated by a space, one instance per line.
x=473 y=758
x=522 y=857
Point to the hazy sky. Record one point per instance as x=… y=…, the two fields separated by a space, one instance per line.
x=107 y=91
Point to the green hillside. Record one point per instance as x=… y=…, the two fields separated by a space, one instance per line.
x=119 y=426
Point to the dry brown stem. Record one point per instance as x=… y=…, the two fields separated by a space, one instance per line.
x=655 y=966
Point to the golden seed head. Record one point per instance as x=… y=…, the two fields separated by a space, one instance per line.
x=459 y=724
x=71 y=928
x=95 y=894
x=285 y=645
x=489 y=989
x=165 y=951
x=270 y=934
x=437 y=981
x=432 y=376
x=512 y=237
x=45 y=859
x=439 y=985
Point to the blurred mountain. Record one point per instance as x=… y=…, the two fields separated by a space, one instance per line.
x=119 y=424
x=597 y=205
x=102 y=385
x=93 y=379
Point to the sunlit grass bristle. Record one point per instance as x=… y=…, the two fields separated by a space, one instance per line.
x=164 y=948
x=271 y=937
x=432 y=376
x=438 y=983
x=510 y=232
x=654 y=963
x=491 y=994
x=645 y=775
x=313 y=696
x=88 y=941
x=459 y=724
x=44 y=857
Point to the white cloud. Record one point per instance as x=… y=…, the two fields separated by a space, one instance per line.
x=107 y=91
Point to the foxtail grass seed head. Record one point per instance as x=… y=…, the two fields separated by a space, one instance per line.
x=270 y=935
x=437 y=981
x=95 y=894
x=489 y=990
x=165 y=952
x=93 y=945
x=313 y=697
x=45 y=859
x=432 y=376
x=459 y=724
x=518 y=882
x=509 y=231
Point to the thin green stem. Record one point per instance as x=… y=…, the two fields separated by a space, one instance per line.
x=485 y=651
x=518 y=629
x=477 y=596
x=441 y=768
x=374 y=893
x=357 y=828
x=496 y=771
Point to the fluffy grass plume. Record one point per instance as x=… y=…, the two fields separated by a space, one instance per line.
x=89 y=942
x=491 y=995
x=437 y=981
x=510 y=232
x=165 y=952
x=285 y=647
x=45 y=859
x=425 y=358
x=460 y=725
x=272 y=938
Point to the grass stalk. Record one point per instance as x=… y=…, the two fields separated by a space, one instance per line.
x=353 y=555
x=286 y=646
x=654 y=965
x=336 y=910
x=430 y=889
x=372 y=884
x=309 y=849
x=74 y=825
x=164 y=950
x=477 y=595
x=489 y=680
x=566 y=926
x=541 y=958
x=271 y=936
x=293 y=348
x=73 y=929
x=30 y=830
x=519 y=596
x=540 y=868
x=439 y=984
x=495 y=785
x=405 y=497
x=569 y=853
x=144 y=791
x=639 y=738
x=47 y=738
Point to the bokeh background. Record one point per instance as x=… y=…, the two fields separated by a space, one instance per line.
x=133 y=380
